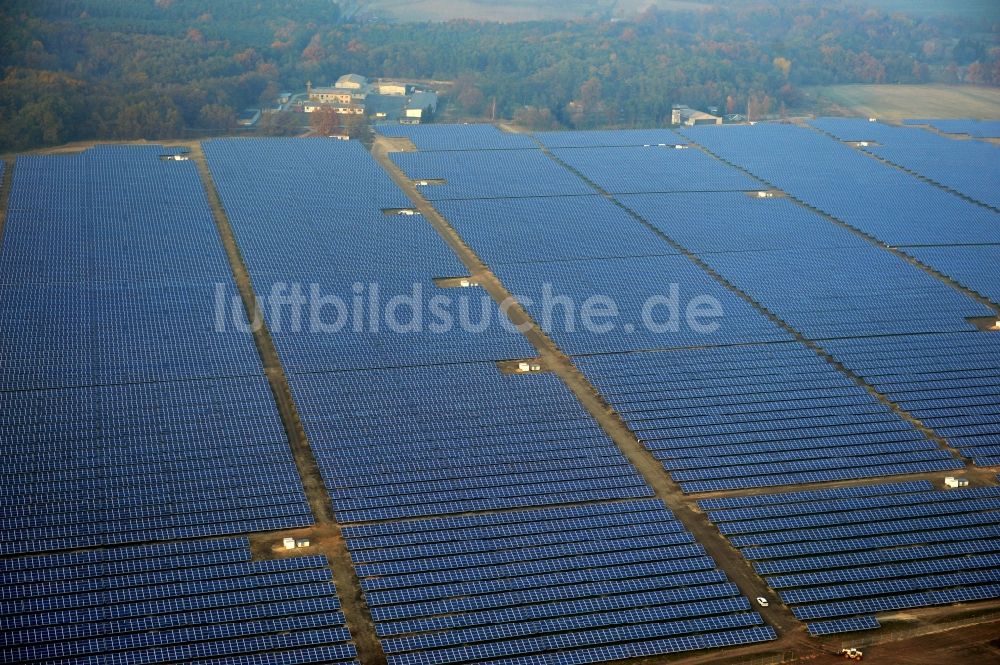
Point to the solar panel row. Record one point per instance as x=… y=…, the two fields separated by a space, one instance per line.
x=194 y=608
x=976 y=128
x=610 y=138
x=754 y=416
x=657 y=302
x=532 y=582
x=834 y=626
x=630 y=170
x=895 y=559
x=423 y=433
x=971 y=168
x=817 y=291
x=558 y=228
x=126 y=415
x=893 y=206
x=489 y=175
x=972 y=267
x=316 y=236
x=947 y=381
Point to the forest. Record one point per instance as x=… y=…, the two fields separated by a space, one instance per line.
x=106 y=69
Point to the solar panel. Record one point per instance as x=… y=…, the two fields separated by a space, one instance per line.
x=119 y=392
x=966 y=167
x=881 y=196
x=860 y=551
x=190 y=607
x=851 y=625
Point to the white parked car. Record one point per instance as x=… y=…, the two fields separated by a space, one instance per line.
x=762 y=601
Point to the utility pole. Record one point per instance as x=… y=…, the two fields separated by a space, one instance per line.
x=493 y=110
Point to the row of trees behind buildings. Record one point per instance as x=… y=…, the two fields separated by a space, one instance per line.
x=84 y=69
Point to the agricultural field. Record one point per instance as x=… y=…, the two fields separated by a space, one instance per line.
x=898 y=102
x=713 y=395
x=514 y=11
x=978 y=9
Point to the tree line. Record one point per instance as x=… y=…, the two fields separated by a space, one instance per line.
x=105 y=69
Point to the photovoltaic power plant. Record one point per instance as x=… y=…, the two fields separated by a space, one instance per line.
x=835 y=179
x=980 y=129
x=847 y=554
x=199 y=601
x=969 y=168
x=579 y=584
x=732 y=418
x=770 y=344
x=806 y=271
x=722 y=417
x=447 y=434
x=318 y=233
x=125 y=416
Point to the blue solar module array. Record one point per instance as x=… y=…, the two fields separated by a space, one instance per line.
x=971 y=168
x=317 y=234
x=457 y=137
x=550 y=229
x=125 y=416
x=578 y=584
x=423 y=440
x=489 y=174
x=878 y=199
x=831 y=283
x=758 y=416
x=976 y=128
x=950 y=382
x=647 y=293
x=611 y=138
x=836 y=626
x=204 y=602
x=856 y=556
x=848 y=292
x=757 y=500
x=654 y=169
x=973 y=267
x=455 y=439
x=711 y=222
x=108 y=274
x=86 y=467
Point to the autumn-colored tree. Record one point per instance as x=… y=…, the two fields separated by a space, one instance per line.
x=531 y=117
x=279 y=124
x=975 y=73
x=314 y=52
x=355 y=126
x=325 y=121
x=759 y=106
x=217 y=118
x=783 y=65
x=468 y=96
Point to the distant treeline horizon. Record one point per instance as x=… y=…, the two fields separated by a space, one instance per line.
x=103 y=69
